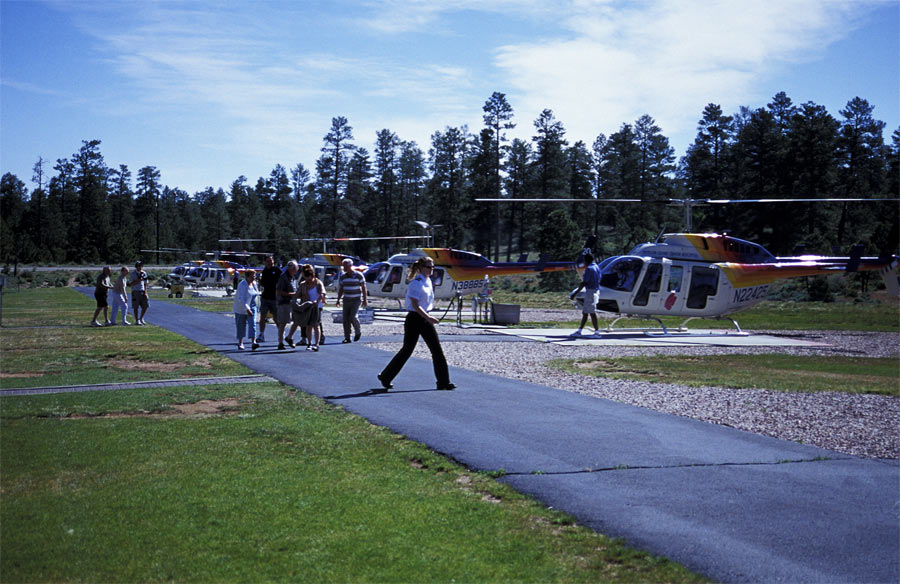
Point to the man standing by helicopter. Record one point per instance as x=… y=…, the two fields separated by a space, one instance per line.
x=590 y=281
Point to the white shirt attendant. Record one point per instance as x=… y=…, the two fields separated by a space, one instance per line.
x=422 y=290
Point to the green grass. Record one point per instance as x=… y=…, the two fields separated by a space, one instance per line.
x=773 y=371
x=279 y=487
x=46 y=341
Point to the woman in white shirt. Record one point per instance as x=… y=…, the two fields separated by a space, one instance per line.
x=418 y=323
x=246 y=302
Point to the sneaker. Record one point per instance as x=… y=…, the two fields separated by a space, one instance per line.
x=261 y=339
x=106 y=322
x=315 y=348
x=446 y=386
x=345 y=341
x=356 y=337
x=281 y=346
x=125 y=322
x=289 y=341
x=576 y=333
x=254 y=346
x=596 y=331
x=111 y=323
x=385 y=384
x=241 y=346
x=309 y=348
x=95 y=323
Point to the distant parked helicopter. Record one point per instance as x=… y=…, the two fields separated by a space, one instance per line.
x=457 y=272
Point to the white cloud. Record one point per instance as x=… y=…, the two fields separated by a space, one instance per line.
x=620 y=60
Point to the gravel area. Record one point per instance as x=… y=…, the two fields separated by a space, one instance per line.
x=857 y=424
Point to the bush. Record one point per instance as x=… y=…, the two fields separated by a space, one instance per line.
x=85 y=279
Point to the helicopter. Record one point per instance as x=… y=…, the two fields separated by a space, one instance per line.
x=709 y=275
x=456 y=273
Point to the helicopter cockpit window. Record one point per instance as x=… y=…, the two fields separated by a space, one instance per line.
x=437 y=277
x=377 y=273
x=650 y=283
x=704 y=282
x=393 y=278
x=330 y=275
x=621 y=274
x=676 y=274
x=195 y=272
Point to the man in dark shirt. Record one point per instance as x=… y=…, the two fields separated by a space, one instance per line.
x=284 y=291
x=267 y=304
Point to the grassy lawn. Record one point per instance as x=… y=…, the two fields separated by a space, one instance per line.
x=46 y=341
x=277 y=485
x=777 y=372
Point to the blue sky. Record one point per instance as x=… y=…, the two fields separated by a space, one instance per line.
x=209 y=91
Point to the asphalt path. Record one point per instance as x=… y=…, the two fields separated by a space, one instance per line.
x=735 y=506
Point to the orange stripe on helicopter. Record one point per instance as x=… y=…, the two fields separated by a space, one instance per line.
x=467 y=265
x=744 y=275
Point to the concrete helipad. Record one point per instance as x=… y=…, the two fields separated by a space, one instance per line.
x=732 y=505
x=718 y=337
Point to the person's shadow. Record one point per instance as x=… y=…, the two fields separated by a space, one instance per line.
x=377 y=391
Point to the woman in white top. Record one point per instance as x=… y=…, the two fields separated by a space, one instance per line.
x=419 y=300
x=246 y=303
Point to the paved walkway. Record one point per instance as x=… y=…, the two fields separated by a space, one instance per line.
x=729 y=504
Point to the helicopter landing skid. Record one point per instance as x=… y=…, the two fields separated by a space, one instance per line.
x=681 y=330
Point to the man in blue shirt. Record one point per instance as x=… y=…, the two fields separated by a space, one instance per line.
x=591 y=284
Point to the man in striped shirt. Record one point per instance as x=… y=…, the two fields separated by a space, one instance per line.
x=352 y=288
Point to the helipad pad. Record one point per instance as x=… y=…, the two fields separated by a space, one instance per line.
x=698 y=337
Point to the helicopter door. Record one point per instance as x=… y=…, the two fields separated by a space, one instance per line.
x=393 y=278
x=650 y=284
x=704 y=283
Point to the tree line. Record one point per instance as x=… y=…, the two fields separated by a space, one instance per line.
x=83 y=210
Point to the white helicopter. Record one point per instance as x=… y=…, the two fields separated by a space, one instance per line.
x=456 y=273
x=710 y=276
x=328 y=265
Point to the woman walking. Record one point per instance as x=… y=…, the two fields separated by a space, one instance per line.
x=246 y=302
x=419 y=300
x=308 y=303
x=120 y=296
x=101 y=292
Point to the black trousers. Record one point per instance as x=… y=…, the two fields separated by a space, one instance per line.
x=416 y=326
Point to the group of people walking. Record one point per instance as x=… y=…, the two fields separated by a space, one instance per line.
x=115 y=294
x=295 y=296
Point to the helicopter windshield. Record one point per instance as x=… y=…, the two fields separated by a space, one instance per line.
x=620 y=273
x=376 y=273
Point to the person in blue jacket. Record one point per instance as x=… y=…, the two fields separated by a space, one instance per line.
x=590 y=281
